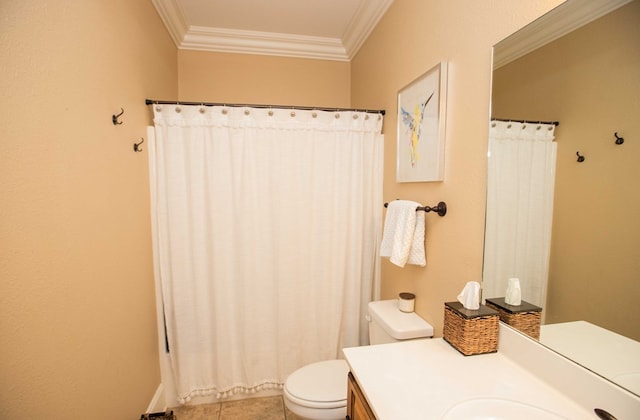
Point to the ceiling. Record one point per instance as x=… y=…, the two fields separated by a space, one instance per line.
x=318 y=29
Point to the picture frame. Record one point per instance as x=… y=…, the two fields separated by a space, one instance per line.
x=421 y=124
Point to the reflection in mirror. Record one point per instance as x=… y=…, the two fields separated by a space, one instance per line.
x=588 y=80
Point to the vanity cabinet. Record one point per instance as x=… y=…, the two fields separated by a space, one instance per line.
x=357 y=406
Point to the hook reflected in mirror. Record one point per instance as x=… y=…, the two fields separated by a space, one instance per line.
x=619 y=140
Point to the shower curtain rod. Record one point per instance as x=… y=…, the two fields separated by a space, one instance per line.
x=556 y=123
x=304 y=108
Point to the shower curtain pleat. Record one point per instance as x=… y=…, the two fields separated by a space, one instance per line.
x=266 y=225
x=521 y=178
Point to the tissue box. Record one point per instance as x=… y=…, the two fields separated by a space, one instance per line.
x=524 y=317
x=471 y=332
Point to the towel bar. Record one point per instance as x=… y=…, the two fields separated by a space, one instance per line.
x=441 y=208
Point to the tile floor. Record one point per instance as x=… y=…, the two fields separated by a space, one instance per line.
x=265 y=408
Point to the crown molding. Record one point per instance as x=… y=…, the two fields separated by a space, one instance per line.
x=565 y=18
x=263 y=43
x=364 y=22
x=173 y=18
x=189 y=37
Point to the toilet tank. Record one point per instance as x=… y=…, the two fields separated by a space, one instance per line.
x=387 y=324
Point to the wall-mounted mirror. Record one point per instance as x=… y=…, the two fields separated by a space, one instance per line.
x=578 y=65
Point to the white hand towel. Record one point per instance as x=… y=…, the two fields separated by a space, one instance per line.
x=403 y=235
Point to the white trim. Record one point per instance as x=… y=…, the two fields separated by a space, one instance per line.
x=190 y=37
x=364 y=22
x=560 y=21
x=158 y=403
x=173 y=18
x=262 y=43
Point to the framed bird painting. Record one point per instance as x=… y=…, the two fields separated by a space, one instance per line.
x=421 y=127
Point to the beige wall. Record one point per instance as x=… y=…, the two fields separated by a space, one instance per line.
x=413 y=36
x=77 y=312
x=590 y=82
x=258 y=79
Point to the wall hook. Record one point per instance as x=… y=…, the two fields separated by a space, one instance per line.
x=580 y=157
x=136 y=146
x=619 y=140
x=114 y=117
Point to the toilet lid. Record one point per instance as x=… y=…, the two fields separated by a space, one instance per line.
x=319 y=382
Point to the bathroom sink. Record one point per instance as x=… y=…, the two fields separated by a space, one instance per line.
x=497 y=409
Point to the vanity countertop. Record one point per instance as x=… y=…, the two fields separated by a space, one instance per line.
x=424 y=379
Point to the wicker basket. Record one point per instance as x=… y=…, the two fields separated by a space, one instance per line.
x=471 y=332
x=525 y=317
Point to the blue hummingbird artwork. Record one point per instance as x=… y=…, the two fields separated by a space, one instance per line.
x=413 y=122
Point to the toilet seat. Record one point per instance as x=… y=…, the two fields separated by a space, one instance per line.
x=320 y=385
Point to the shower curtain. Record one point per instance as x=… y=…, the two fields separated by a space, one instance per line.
x=266 y=224
x=521 y=177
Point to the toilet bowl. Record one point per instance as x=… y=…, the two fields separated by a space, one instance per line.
x=319 y=391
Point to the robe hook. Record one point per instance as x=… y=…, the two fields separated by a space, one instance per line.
x=136 y=146
x=114 y=117
x=619 y=140
x=580 y=157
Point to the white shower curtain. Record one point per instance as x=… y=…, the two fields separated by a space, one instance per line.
x=266 y=224
x=521 y=177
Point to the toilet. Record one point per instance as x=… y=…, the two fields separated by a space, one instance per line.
x=319 y=391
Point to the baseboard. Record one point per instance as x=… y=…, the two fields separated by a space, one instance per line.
x=158 y=403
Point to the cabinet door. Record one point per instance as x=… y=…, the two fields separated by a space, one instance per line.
x=357 y=407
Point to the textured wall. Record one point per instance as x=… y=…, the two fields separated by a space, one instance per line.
x=77 y=312
x=259 y=79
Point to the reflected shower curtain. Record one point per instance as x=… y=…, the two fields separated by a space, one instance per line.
x=521 y=177
x=266 y=224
